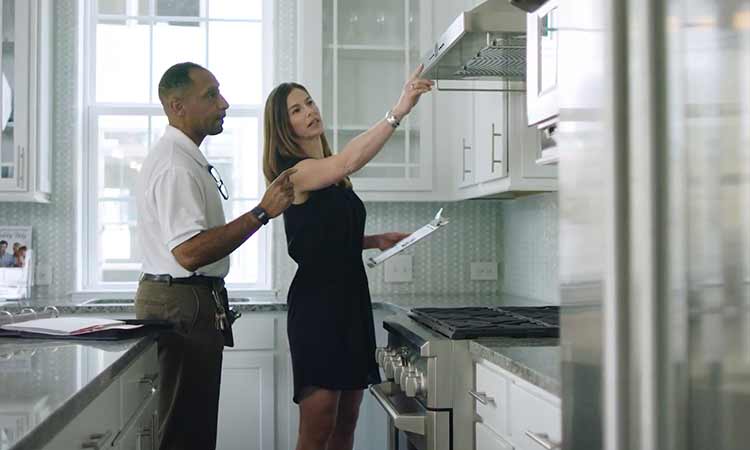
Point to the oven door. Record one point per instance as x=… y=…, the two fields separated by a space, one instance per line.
x=411 y=426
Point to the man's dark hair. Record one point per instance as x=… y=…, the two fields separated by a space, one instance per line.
x=176 y=77
x=3 y=242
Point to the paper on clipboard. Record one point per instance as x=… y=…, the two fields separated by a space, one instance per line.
x=436 y=223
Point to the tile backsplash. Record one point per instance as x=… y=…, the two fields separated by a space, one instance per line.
x=440 y=263
x=529 y=247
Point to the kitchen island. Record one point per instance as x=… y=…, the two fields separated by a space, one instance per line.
x=48 y=386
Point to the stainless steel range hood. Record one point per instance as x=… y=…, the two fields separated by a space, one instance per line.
x=487 y=42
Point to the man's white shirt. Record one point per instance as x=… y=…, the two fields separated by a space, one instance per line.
x=177 y=198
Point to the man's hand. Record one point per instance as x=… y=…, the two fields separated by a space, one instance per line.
x=279 y=194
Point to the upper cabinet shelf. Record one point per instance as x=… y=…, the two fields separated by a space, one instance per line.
x=359 y=58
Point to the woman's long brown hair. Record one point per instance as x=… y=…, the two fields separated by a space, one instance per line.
x=279 y=142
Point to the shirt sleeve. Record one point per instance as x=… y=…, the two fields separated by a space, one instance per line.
x=180 y=206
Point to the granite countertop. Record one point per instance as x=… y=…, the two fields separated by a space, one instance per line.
x=535 y=360
x=397 y=302
x=46 y=383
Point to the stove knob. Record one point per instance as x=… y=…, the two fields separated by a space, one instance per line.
x=382 y=354
x=389 y=365
x=394 y=363
x=379 y=353
x=414 y=385
x=408 y=371
x=398 y=372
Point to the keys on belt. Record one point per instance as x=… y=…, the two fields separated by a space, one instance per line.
x=221 y=315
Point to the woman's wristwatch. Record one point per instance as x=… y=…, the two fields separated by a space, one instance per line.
x=392 y=119
x=260 y=214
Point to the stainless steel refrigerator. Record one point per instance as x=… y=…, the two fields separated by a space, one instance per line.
x=654 y=166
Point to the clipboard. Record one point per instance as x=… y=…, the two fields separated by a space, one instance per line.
x=435 y=224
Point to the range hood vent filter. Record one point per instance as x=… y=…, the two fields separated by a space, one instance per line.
x=504 y=59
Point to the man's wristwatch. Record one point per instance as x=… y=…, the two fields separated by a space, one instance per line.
x=392 y=119
x=260 y=214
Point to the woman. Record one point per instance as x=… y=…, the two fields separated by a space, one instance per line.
x=20 y=256
x=329 y=324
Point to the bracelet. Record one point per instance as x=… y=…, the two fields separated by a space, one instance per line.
x=392 y=119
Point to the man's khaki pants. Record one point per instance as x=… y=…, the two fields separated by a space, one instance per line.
x=189 y=363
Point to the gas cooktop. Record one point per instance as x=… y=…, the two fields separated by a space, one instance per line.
x=497 y=321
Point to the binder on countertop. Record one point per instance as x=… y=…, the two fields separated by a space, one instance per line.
x=48 y=326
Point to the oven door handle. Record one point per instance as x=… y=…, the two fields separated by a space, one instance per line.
x=413 y=423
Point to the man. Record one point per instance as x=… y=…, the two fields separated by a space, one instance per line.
x=185 y=244
x=6 y=259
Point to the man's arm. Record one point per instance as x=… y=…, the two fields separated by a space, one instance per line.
x=211 y=245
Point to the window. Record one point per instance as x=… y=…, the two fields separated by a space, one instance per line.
x=129 y=45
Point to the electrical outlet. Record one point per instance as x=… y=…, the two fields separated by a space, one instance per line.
x=482 y=271
x=43 y=275
x=398 y=269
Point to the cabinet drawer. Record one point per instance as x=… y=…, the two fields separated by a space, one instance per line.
x=494 y=386
x=533 y=411
x=254 y=333
x=96 y=425
x=485 y=439
x=137 y=381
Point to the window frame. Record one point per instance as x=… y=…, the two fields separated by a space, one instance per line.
x=88 y=278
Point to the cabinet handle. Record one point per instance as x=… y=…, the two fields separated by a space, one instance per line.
x=150 y=380
x=132 y=420
x=481 y=397
x=543 y=440
x=155 y=428
x=494 y=160
x=463 y=153
x=20 y=168
x=97 y=440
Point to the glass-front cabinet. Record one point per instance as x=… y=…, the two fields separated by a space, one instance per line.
x=367 y=50
x=25 y=99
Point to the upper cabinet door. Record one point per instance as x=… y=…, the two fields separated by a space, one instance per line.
x=491 y=135
x=366 y=52
x=25 y=100
x=542 y=44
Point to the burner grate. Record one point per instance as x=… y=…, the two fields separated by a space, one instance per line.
x=477 y=321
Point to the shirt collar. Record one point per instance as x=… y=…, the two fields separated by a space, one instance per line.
x=186 y=144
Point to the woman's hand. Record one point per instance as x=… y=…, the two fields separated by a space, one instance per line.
x=386 y=240
x=413 y=89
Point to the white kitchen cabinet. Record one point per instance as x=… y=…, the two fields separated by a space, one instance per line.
x=25 y=100
x=487 y=440
x=506 y=150
x=124 y=416
x=246 y=416
x=490 y=136
x=356 y=56
x=247 y=400
x=481 y=134
x=509 y=408
x=256 y=408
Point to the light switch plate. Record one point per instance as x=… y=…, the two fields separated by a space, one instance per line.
x=398 y=269
x=483 y=271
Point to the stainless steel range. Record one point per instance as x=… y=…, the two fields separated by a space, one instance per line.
x=428 y=393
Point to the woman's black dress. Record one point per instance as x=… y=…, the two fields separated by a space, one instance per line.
x=329 y=323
